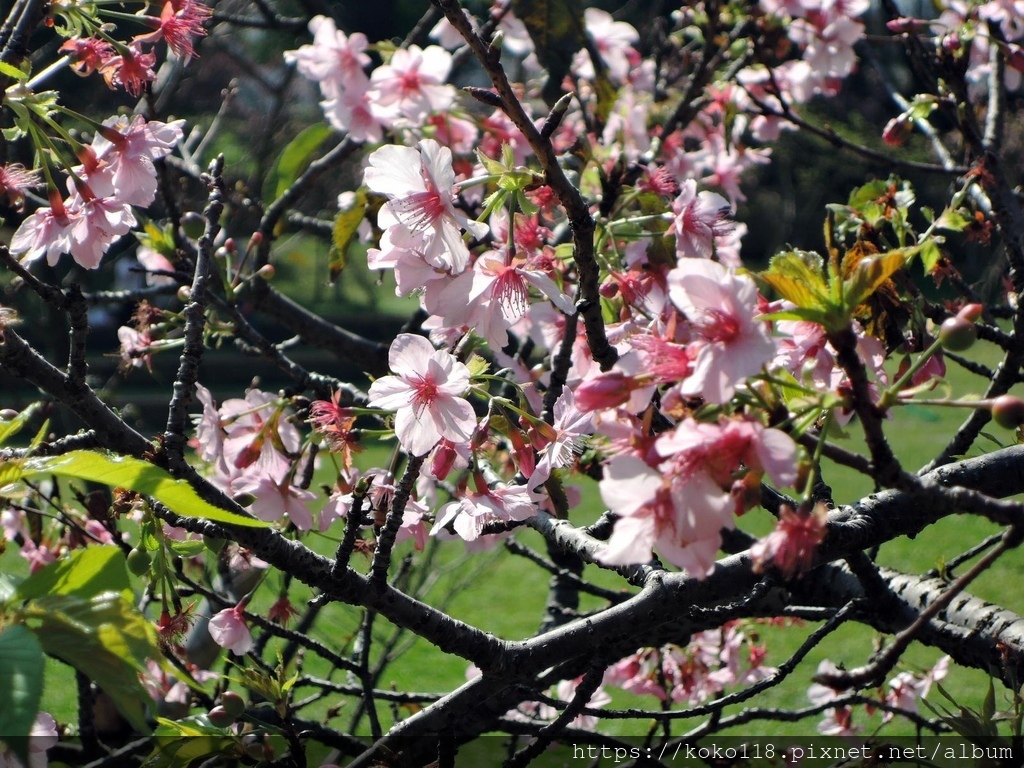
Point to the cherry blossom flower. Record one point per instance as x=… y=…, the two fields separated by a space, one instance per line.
x=275 y=501
x=425 y=394
x=95 y=223
x=135 y=348
x=418 y=183
x=336 y=62
x=334 y=59
x=46 y=232
x=179 y=22
x=41 y=737
x=128 y=147
x=87 y=54
x=699 y=219
x=838 y=721
x=722 y=306
x=683 y=526
x=614 y=40
x=906 y=688
x=791 y=546
x=132 y=69
x=15 y=181
x=472 y=512
x=412 y=85
x=570 y=426
x=229 y=630
x=282 y=611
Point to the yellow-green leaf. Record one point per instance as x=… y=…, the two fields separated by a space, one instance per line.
x=798 y=276
x=346 y=224
x=136 y=475
x=864 y=279
x=105 y=638
x=84 y=573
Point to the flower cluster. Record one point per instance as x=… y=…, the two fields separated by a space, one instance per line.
x=116 y=174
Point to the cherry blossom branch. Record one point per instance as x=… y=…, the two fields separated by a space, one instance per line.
x=874 y=672
x=369 y=356
x=320 y=384
x=78 y=320
x=22 y=20
x=174 y=438
x=580 y=221
x=386 y=537
x=587 y=687
x=841 y=142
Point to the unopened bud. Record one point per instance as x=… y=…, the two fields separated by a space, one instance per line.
x=267 y=271
x=897 y=131
x=905 y=24
x=184 y=293
x=7 y=414
x=229 y=245
x=1008 y=411
x=971 y=312
x=193 y=225
x=605 y=391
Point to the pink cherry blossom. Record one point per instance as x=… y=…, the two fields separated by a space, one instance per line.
x=47 y=232
x=837 y=721
x=722 y=306
x=418 y=183
x=791 y=546
x=699 y=219
x=472 y=512
x=41 y=737
x=179 y=22
x=96 y=223
x=614 y=40
x=229 y=630
x=681 y=520
x=15 y=180
x=334 y=59
x=570 y=426
x=412 y=85
x=906 y=688
x=128 y=147
x=275 y=501
x=132 y=69
x=426 y=395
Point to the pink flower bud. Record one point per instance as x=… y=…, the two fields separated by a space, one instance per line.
x=971 y=312
x=605 y=391
x=897 y=131
x=443 y=460
x=905 y=24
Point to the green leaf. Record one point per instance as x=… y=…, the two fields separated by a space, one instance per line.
x=21 y=680
x=85 y=573
x=346 y=224
x=11 y=427
x=136 y=475
x=187 y=548
x=293 y=160
x=931 y=254
x=557 y=30
x=184 y=751
x=870 y=272
x=798 y=277
x=105 y=639
x=12 y=71
x=953 y=220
